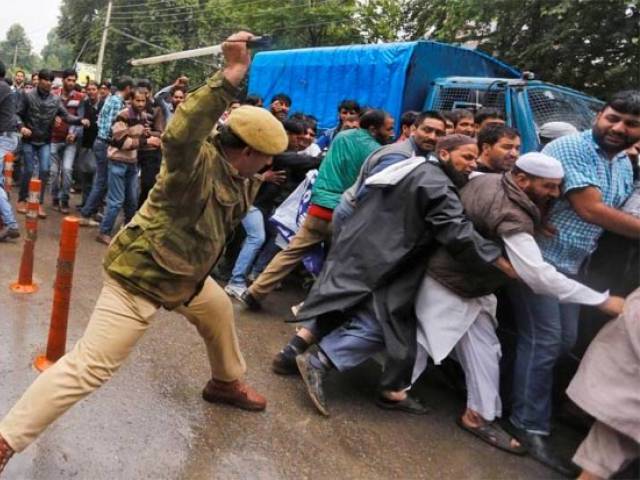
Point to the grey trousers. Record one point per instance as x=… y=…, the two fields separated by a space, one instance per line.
x=355 y=341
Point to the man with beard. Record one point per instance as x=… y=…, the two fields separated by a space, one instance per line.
x=428 y=127
x=338 y=171
x=598 y=180
x=456 y=307
x=499 y=148
x=369 y=281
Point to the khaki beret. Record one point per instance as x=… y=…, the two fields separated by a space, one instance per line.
x=259 y=129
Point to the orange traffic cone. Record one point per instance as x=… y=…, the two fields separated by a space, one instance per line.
x=9 y=159
x=25 y=278
x=61 y=295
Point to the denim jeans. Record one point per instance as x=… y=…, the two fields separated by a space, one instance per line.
x=547 y=329
x=29 y=154
x=8 y=144
x=62 y=159
x=122 y=193
x=253 y=224
x=99 y=187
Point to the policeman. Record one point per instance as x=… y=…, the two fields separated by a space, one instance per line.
x=164 y=255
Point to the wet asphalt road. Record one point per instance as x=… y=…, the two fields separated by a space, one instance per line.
x=149 y=421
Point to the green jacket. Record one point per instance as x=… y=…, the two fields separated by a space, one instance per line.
x=167 y=250
x=339 y=169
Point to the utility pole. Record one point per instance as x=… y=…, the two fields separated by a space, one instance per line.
x=15 y=56
x=103 y=44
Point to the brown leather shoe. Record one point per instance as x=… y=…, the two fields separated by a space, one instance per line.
x=233 y=393
x=6 y=452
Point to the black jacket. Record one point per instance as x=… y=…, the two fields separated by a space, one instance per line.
x=37 y=111
x=387 y=264
x=90 y=111
x=296 y=166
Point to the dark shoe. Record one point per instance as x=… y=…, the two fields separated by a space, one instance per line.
x=55 y=203
x=234 y=393
x=313 y=378
x=6 y=233
x=103 y=238
x=6 y=452
x=283 y=364
x=539 y=447
x=64 y=208
x=42 y=213
x=408 y=405
x=250 y=302
x=493 y=434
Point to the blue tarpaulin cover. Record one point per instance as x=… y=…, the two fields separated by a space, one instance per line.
x=391 y=76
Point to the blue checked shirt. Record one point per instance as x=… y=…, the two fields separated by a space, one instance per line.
x=112 y=106
x=585 y=165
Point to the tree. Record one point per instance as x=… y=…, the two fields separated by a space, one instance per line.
x=58 y=53
x=591 y=45
x=16 y=49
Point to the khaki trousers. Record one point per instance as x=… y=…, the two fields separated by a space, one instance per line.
x=313 y=231
x=119 y=320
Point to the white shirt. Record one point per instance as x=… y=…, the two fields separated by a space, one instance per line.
x=542 y=277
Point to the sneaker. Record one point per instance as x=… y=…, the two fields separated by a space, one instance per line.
x=249 y=301
x=234 y=393
x=42 y=213
x=21 y=207
x=88 y=222
x=7 y=233
x=235 y=291
x=103 y=238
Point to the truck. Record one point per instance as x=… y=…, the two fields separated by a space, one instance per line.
x=420 y=75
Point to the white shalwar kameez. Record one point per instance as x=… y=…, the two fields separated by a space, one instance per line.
x=466 y=326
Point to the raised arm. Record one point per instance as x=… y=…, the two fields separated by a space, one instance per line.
x=197 y=115
x=588 y=204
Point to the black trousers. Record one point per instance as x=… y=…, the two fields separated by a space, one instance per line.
x=149 y=162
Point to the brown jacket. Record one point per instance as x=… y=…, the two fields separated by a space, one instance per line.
x=127 y=136
x=497 y=207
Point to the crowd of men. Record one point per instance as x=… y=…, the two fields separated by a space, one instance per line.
x=474 y=233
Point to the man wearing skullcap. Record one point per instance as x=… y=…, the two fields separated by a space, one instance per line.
x=455 y=305
x=163 y=257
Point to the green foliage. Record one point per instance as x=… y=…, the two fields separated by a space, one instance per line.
x=591 y=45
x=58 y=52
x=17 y=46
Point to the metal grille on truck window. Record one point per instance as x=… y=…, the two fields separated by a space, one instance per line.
x=550 y=105
x=450 y=98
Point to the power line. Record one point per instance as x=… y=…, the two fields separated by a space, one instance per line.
x=159 y=47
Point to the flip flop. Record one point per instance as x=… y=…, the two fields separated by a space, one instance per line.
x=494 y=435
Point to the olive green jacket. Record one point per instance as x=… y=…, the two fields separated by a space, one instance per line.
x=167 y=250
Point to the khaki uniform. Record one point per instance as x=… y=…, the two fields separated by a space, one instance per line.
x=162 y=258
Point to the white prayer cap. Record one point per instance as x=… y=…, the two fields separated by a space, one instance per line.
x=553 y=130
x=540 y=165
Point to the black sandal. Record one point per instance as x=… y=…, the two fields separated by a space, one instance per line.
x=408 y=405
x=494 y=435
